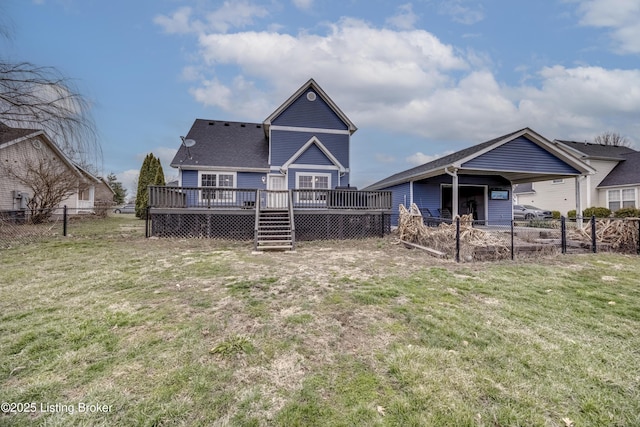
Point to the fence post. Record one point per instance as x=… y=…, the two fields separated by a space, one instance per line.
x=638 y=250
x=64 y=221
x=563 y=234
x=513 y=252
x=146 y=222
x=593 y=234
x=457 y=239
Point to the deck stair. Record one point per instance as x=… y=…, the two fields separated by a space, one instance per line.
x=274 y=230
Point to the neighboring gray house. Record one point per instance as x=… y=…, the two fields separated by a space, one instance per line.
x=479 y=179
x=22 y=150
x=614 y=183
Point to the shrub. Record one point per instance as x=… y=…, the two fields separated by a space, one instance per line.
x=598 y=212
x=571 y=214
x=556 y=214
x=627 y=213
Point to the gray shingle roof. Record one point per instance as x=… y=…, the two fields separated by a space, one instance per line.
x=625 y=173
x=225 y=144
x=8 y=134
x=589 y=149
x=436 y=164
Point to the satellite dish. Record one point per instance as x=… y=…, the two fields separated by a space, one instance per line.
x=188 y=142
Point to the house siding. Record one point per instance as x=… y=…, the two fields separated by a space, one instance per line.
x=313 y=156
x=562 y=196
x=252 y=180
x=521 y=152
x=428 y=194
x=18 y=154
x=314 y=114
x=400 y=194
x=284 y=144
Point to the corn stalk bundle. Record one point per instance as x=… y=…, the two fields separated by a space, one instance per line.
x=618 y=233
x=411 y=228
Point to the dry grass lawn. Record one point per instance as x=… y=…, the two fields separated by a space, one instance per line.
x=199 y=333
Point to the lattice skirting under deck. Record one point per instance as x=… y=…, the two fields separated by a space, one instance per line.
x=240 y=225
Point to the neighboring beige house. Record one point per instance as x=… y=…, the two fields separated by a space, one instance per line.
x=23 y=148
x=615 y=183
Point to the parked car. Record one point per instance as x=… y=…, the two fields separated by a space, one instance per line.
x=125 y=209
x=530 y=212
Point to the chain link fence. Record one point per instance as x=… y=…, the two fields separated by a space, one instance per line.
x=20 y=227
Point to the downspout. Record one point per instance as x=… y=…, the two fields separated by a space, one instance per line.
x=454 y=190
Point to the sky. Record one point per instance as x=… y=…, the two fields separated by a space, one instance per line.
x=419 y=79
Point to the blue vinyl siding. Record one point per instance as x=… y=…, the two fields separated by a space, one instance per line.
x=313 y=156
x=284 y=144
x=251 y=180
x=190 y=178
x=428 y=194
x=313 y=114
x=400 y=194
x=521 y=154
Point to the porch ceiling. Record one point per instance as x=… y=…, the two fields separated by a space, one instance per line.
x=517 y=177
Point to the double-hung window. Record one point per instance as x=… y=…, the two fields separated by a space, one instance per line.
x=313 y=182
x=217 y=180
x=623 y=198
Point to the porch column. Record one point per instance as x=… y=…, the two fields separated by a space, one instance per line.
x=578 y=201
x=454 y=191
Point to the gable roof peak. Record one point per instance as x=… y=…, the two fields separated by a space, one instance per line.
x=310 y=84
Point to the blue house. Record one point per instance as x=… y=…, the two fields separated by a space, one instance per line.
x=303 y=144
x=282 y=179
x=479 y=180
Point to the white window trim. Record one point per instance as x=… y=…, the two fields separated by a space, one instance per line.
x=621 y=200
x=311 y=174
x=217 y=173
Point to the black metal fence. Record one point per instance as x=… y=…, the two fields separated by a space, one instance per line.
x=467 y=241
x=29 y=226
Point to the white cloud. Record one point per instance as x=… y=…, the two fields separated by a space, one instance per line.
x=404 y=19
x=129 y=180
x=409 y=83
x=232 y=14
x=621 y=16
x=420 y=158
x=460 y=12
x=303 y=4
x=179 y=22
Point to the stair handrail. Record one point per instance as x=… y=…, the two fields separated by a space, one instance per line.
x=292 y=221
x=257 y=223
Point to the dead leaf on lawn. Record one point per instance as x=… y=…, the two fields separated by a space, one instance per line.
x=380 y=410
x=568 y=422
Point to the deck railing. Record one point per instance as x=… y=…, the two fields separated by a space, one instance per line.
x=245 y=198
x=201 y=197
x=341 y=199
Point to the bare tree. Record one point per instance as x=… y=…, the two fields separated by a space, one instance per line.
x=613 y=139
x=50 y=180
x=35 y=97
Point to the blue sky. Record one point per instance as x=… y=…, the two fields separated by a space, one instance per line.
x=420 y=79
